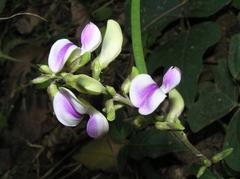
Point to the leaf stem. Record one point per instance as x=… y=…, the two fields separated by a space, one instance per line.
x=136 y=36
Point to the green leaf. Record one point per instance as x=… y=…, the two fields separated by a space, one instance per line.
x=236 y=3
x=153 y=143
x=3 y=121
x=234 y=56
x=211 y=106
x=2 y=5
x=223 y=95
x=186 y=52
x=203 y=8
x=118 y=132
x=232 y=140
x=158 y=14
x=102 y=14
x=224 y=80
x=97 y=154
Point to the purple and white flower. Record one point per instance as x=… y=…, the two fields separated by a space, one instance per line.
x=146 y=95
x=68 y=109
x=91 y=38
x=97 y=125
x=59 y=54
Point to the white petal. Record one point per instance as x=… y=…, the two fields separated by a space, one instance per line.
x=152 y=102
x=59 y=54
x=64 y=111
x=112 y=43
x=171 y=79
x=90 y=38
x=68 y=109
x=97 y=125
x=78 y=105
x=138 y=85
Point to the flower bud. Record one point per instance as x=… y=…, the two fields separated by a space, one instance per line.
x=52 y=90
x=45 y=69
x=79 y=62
x=176 y=105
x=110 y=109
x=96 y=68
x=127 y=82
x=84 y=83
x=41 y=79
x=110 y=90
x=221 y=155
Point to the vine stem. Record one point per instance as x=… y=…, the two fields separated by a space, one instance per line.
x=181 y=136
x=136 y=36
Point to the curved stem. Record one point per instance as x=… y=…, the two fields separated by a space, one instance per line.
x=181 y=136
x=136 y=36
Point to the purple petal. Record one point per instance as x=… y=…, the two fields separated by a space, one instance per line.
x=153 y=100
x=171 y=79
x=139 y=86
x=97 y=125
x=59 y=54
x=90 y=38
x=145 y=94
x=67 y=108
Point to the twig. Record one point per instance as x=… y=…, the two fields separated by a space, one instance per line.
x=22 y=13
x=72 y=171
x=59 y=163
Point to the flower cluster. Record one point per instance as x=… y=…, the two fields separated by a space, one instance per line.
x=66 y=57
x=64 y=61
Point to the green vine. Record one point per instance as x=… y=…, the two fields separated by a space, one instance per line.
x=136 y=37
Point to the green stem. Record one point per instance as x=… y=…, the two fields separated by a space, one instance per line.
x=181 y=136
x=122 y=99
x=136 y=36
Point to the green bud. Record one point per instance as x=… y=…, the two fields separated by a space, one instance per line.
x=41 y=79
x=52 y=90
x=80 y=62
x=127 y=82
x=140 y=121
x=177 y=105
x=74 y=56
x=110 y=109
x=111 y=90
x=169 y=125
x=96 y=68
x=201 y=171
x=84 y=83
x=221 y=155
x=45 y=69
x=162 y=126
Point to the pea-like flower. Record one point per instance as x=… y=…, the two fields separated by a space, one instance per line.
x=97 y=125
x=91 y=38
x=60 y=52
x=68 y=109
x=146 y=95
